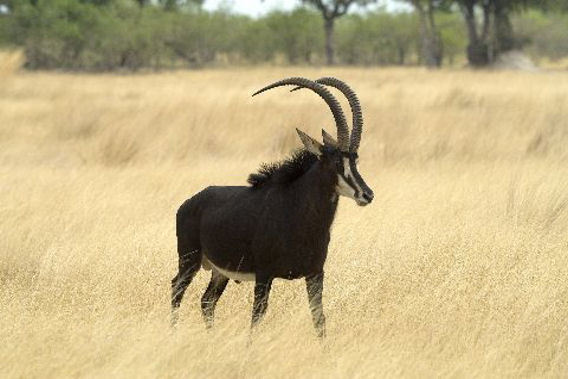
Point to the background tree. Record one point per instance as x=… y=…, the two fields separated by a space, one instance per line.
x=105 y=35
x=430 y=38
x=478 y=33
x=143 y=3
x=493 y=35
x=330 y=11
x=453 y=34
x=297 y=34
x=173 y=5
x=377 y=38
x=544 y=33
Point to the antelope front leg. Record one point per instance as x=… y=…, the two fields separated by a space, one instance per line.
x=261 y=292
x=314 y=285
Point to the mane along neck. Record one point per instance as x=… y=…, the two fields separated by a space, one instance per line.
x=309 y=181
x=283 y=172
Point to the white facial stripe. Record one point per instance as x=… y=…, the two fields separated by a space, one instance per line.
x=343 y=188
x=348 y=174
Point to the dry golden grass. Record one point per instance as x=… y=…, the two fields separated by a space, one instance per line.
x=458 y=269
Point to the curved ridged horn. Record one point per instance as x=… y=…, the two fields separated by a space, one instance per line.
x=334 y=106
x=354 y=104
x=357 y=127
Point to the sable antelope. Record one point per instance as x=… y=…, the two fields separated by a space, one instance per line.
x=279 y=226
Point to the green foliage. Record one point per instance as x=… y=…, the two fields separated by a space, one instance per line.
x=198 y=38
x=256 y=42
x=120 y=34
x=54 y=32
x=126 y=37
x=544 y=34
x=331 y=9
x=176 y=5
x=377 y=38
x=114 y=34
x=453 y=33
x=297 y=35
x=103 y=35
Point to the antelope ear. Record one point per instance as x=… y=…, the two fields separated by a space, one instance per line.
x=310 y=144
x=328 y=140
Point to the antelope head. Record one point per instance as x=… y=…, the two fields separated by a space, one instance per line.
x=341 y=153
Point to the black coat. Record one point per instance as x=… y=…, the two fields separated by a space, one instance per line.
x=278 y=227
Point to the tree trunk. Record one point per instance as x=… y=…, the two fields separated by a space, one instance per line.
x=431 y=43
x=477 y=54
x=401 y=55
x=435 y=39
x=170 y=5
x=497 y=31
x=504 y=38
x=477 y=49
x=329 y=43
x=429 y=51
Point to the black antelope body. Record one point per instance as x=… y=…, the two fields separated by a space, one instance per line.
x=279 y=225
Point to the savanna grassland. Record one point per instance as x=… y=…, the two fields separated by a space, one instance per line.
x=459 y=268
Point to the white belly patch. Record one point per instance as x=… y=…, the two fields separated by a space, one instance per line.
x=234 y=275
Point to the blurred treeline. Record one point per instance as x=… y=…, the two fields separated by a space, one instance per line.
x=103 y=35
